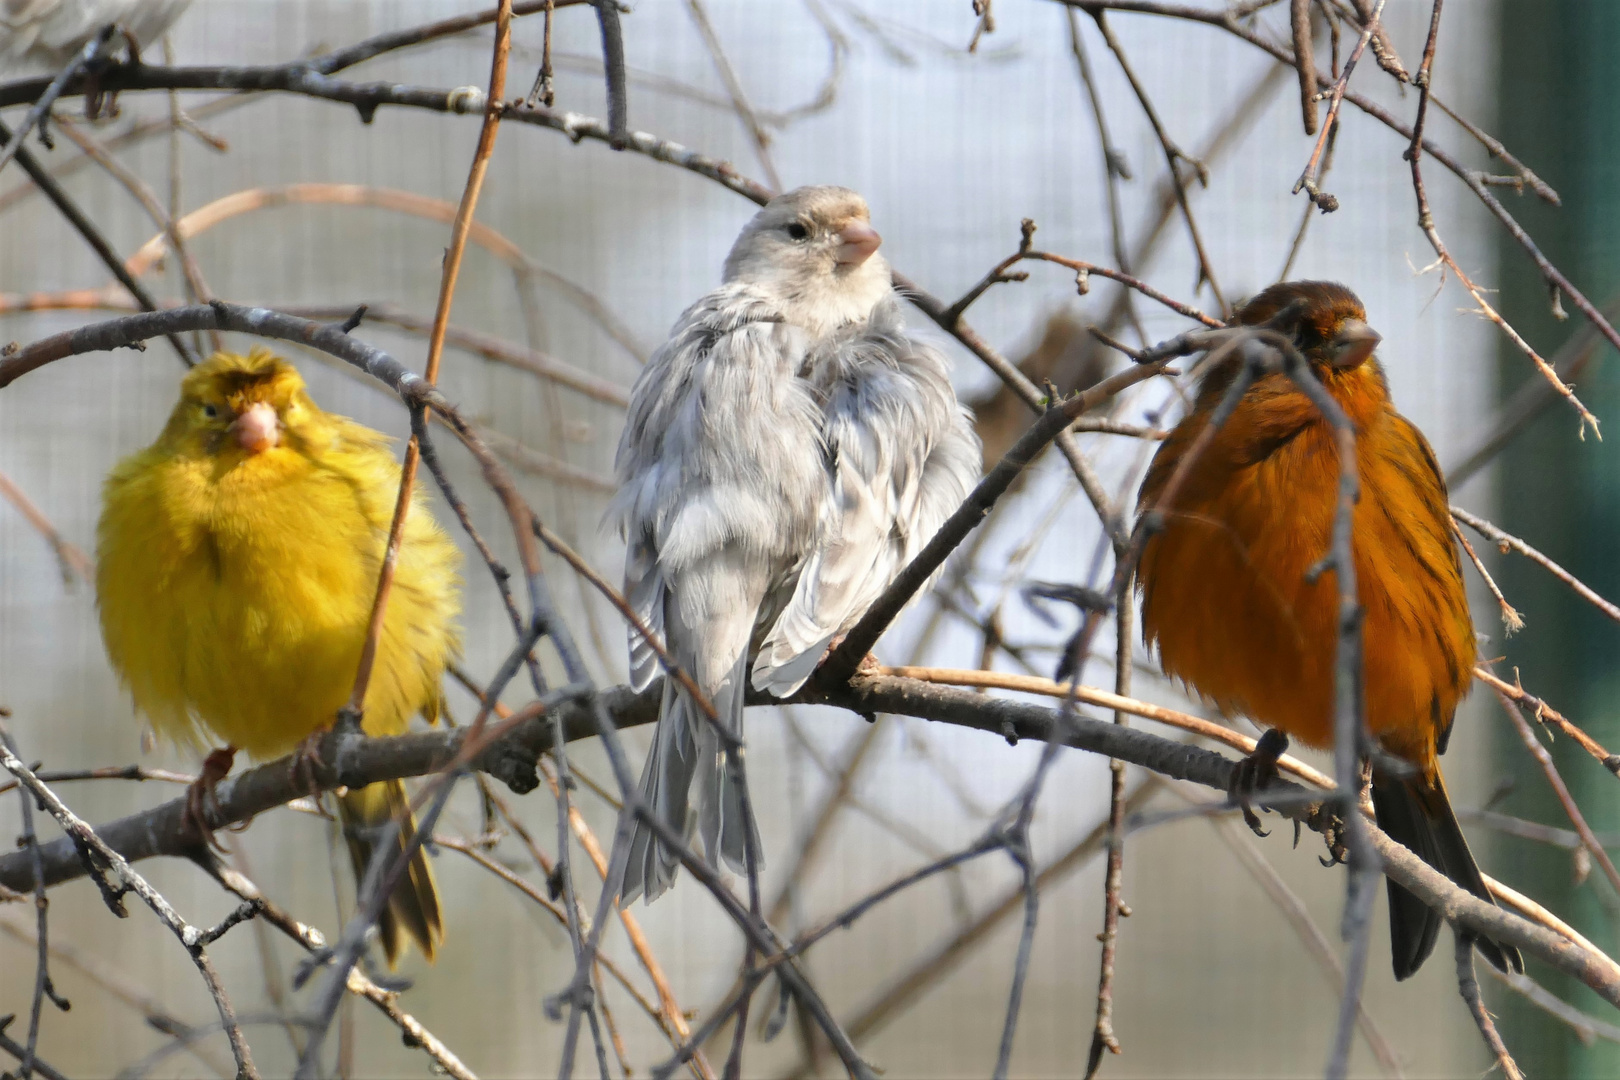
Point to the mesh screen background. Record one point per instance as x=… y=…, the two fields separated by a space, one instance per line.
x=952 y=151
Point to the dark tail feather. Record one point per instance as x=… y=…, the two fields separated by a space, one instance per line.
x=413 y=909
x=1416 y=812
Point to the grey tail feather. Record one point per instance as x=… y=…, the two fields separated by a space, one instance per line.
x=666 y=781
x=723 y=823
x=1418 y=814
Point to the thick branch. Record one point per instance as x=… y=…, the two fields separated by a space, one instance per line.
x=358 y=760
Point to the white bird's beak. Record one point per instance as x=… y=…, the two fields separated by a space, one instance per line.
x=857 y=242
x=1356 y=342
x=258 y=428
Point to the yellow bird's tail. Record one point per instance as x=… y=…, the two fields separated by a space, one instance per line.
x=413 y=909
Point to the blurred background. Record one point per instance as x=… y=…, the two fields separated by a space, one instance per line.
x=588 y=257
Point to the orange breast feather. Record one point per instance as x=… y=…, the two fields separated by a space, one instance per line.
x=1224 y=589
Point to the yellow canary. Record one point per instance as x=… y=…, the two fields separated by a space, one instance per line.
x=237 y=564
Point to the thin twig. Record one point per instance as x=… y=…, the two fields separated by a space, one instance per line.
x=29 y=841
x=1586 y=1028
x=163 y=218
x=109 y=864
x=1560 y=789
x=1546 y=714
x=1506 y=541
x=841 y=662
x=1173 y=156
x=389 y=859
x=86 y=228
x=673 y=1017
x=73 y=561
x=1309 y=179
x=607 y=16
x=1512 y=621
x=1306 y=215
x=1530 y=399
x=903 y=990
x=739 y=99
x=441 y=320
x=1103 y=1036
x=1468 y=986
x=124 y=988
x=1299 y=18
x=1310 y=935
x=93 y=51
x=314 y=942
x=1414 y=154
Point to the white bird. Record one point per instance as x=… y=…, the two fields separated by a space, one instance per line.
x=901 y=457
x=785 y=453
x=42 y=35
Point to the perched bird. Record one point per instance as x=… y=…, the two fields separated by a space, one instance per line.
x=237 y=561
x=901 y=457
x=785 y=452
x=1228 y=594
x=44 y=34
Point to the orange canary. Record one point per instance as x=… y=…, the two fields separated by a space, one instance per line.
x=237 y=561
x=1227 y=597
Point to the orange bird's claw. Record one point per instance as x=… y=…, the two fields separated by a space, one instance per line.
x=1256 y=772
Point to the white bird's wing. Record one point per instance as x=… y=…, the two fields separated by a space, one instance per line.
x=902 y=456
x=720 y=480
x=41 y=35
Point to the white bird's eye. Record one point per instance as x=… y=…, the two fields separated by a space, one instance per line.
x=210 y=412
x=798 y=231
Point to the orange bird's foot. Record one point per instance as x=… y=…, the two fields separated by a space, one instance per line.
x=202 y=802
x=1254 y=773
x=1331 y=826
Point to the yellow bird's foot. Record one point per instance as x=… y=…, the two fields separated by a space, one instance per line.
x=1254 y=773
x=202 y=802
x=306 y=758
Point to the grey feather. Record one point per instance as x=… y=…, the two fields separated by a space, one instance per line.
x=785 y=453
x=720 y=479
x=902 y=455
x=42 y=35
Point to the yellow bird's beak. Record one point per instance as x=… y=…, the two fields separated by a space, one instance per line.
x=257 y=428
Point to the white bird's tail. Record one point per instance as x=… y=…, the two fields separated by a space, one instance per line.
x=686 y=748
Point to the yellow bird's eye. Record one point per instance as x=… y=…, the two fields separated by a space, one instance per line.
x=210 y=412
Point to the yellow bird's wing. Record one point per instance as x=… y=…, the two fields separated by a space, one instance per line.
x=145 y=545
x=420 y=635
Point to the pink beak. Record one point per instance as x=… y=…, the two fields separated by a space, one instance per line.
x=257 y=429
x=858 y=241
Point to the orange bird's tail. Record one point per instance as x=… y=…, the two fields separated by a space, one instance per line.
x=1415 y=811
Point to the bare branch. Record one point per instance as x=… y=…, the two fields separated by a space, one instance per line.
x=91 y=850
x=1468 y=986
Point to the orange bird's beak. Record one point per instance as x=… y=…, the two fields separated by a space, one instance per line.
x=857 y=242
x=258 y=428
x=1355 y=342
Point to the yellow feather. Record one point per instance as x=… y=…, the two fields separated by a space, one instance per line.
x=235 y=586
